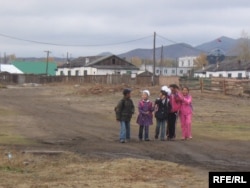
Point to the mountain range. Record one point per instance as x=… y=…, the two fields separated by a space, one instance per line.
x=226 y=45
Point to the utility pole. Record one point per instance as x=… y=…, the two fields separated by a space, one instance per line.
x=47 y=61
x=67 y=57
x=161 y=60
x=153 y=78
x=176 y=66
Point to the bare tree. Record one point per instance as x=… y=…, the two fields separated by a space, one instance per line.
x=201 y=61
x=244 y=47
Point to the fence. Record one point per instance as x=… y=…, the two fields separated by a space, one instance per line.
x=218 y=85
x=6 y=78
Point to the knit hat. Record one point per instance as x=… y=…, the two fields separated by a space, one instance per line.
x=126 y=91
x=146 y=91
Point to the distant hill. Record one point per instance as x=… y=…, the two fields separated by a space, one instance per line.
x=169 y=52
x=105 y=54
x=227 y=45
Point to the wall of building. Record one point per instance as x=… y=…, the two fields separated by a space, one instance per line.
x=224 y=74
x=168 y=71
x=186 y=61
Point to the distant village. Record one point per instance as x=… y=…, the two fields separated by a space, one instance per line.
x=213 y=64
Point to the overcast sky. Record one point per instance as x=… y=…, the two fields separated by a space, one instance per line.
x=90 y=27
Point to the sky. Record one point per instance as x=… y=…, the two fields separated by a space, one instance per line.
x=76 y=28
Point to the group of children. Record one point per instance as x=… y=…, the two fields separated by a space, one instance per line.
x=170 y=104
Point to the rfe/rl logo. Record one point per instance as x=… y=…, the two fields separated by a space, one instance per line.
x=229 y=179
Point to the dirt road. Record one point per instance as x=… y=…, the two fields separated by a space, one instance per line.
x=60 y=118
x=80 y=119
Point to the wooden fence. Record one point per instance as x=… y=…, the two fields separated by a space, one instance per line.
x=6 y=78
x=238 y=87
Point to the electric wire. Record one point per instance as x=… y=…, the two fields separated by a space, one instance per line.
x=73 y=45
x=181 y=44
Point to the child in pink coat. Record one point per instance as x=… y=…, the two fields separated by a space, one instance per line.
x=185 y=113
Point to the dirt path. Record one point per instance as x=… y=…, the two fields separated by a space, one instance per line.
x=58 y=118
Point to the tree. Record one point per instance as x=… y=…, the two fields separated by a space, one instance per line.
x=136 y=61
x=201 y=61
x=244 y=47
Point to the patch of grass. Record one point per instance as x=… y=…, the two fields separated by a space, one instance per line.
x=2 y=86
x=223 y=131
x=11 y=169
x=6 y=112
x=7 y=129
x=14 y=139
x=7 y=136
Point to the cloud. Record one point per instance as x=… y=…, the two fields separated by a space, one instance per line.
x=80 y=26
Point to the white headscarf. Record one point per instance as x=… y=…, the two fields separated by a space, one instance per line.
x=166 y=89
x=146 y=91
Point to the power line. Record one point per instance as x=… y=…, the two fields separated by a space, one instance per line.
x=181 y=44
x=72 y=45
x=174 y=42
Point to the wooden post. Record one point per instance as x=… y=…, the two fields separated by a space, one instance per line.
x=224 y=87
x=201 y=84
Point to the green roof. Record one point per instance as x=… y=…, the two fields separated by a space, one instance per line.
x=36 y=67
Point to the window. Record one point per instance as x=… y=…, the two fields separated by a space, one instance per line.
x=61 y=73
x=220 y=75
x=173 y=71
x=69 y=73
x=182 y=63
x=85 y=72
x=157 y=71
x=229 y=75
x=77 y=72
x=165 y=71
x=239 y=75
x=113 y=61
x=181 y=71
x=129 y=72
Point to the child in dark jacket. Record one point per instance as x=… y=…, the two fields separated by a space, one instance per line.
x=145 y=116
x=161 y=113
x=124 y=111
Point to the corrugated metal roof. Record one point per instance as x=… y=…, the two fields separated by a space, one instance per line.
x=36 y=67
x=10 y=69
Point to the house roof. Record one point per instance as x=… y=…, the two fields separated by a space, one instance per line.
x=226 y=66
x=145 y=73
x=79 y=62
x=10 y=69
x=97 y=62
x=36 y=67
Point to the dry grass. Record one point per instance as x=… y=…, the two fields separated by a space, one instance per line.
x=70 y=170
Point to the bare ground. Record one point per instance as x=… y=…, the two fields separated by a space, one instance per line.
x=80 y=120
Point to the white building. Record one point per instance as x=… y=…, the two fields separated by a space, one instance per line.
x=187 y=61
x=97 y=65
x=229 y=69
x=185 y=67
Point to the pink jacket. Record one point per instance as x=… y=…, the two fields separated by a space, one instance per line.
x=175 y=101
x=186 y=105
